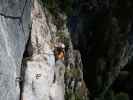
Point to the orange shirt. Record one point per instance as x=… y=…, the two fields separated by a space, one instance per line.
x=61 y=56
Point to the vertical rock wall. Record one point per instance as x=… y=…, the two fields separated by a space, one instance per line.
x=14 y=31
x=44 y=77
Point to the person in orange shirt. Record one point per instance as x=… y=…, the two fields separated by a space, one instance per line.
x=59 y=53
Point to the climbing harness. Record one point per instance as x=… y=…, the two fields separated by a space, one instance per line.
x=19 y=79
x=38 y=76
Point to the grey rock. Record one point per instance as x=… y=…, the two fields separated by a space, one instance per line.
x=12 y=44
x=12 y=7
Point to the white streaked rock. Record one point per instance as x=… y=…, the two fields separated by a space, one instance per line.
x=39 y=83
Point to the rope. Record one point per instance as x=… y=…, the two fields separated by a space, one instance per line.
x=48 y=53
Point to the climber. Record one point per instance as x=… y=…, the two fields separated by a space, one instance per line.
x=59 y=51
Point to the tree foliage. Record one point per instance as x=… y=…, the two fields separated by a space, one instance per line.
x=55 y=6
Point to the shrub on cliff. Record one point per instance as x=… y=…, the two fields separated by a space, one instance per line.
x=55 y=6
x=122 y=96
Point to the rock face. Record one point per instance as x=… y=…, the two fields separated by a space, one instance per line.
x=38 y=79
x=75 y=86
x=14 y=31
x=99 y=32
x=58 y=87
x=44 y=77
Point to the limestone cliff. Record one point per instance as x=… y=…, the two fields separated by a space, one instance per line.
x=95 y=64
x=42 y=78
x=28 y=69
x=14 y=32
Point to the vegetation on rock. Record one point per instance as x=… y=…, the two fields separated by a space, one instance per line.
x=56 y=6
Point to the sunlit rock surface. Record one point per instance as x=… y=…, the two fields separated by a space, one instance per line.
x=38 y=79
x=58 y=88
x=44 y=78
